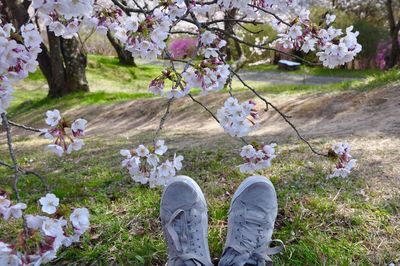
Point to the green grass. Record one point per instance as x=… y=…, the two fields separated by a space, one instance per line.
x=23 y=105
x=125 y=228
x=368 y=83
x=105 y=74
x=322 y=222
x=318 y=71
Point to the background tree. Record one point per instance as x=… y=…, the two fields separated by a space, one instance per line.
x=394 y=26
x=63 y=62
x=124 y=56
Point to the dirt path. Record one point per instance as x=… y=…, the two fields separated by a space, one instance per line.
x=317 y=115
x=288 y=78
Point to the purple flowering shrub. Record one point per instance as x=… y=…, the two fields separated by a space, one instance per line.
x=383 y=53
x=183 y=47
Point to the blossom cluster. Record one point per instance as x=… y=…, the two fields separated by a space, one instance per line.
x=57 y=132
x=238 y=119
x=144 y=38
x=46 y=235
x=245 y=5
x=333 y=47
x=7 y=210
x=211 y=74
x=63 y=17
x=18 y=54
x=257 y=158
x=345 y=164
x=143 y=164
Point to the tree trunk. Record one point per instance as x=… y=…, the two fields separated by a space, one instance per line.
x=63 y=64
x=395 y=51
x=394 y=33
x=124 y=56
x=228 y=27
x=65 y=68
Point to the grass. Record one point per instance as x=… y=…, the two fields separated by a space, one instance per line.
x=368 y=83
x=318 y=71
x=105 y=74
x=322 y=222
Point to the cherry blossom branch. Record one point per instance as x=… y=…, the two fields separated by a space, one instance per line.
x=23 y=126
x=211 y=113
x=15 y=167
x=205 y=107
x=262 y=47
x=163 y=119
x=270 y=13
x=284 y=116
x=29 y=172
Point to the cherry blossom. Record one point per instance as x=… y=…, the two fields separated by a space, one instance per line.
x=43 y=232
x=75 y=145
x=78 y=127
x=14 y=211
x=160 y=147
x=333 y=47
x=80 y=219
x=7 y=210
x=329 y=19
x=257 y=158
x=53 y=118
x=145 y=167
x=237 y=119
x=18 y=55
x=63 y=143
x=56 y=149
x=49 y=203
x=346 y=164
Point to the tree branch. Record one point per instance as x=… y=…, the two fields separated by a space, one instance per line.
x=24 y=127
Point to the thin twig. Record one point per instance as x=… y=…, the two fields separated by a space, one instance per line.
x=211 y=113
x=205 y=107
x=284 y=116
x=29 y=172
x=24 y=127
x=15 y=167
x=163 y=119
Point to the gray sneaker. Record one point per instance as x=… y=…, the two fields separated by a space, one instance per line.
x=184 y=218
x=251 y=221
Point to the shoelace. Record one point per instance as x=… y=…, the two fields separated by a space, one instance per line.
x=181 y=242
x=260 y=254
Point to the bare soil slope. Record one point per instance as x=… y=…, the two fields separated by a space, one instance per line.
x=316 y=115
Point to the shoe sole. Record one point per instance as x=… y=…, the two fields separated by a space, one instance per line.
x=189 y=181
x=250 y=181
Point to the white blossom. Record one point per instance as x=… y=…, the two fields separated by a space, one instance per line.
x=53 y=117
x=80 y=219
x=49 y=203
